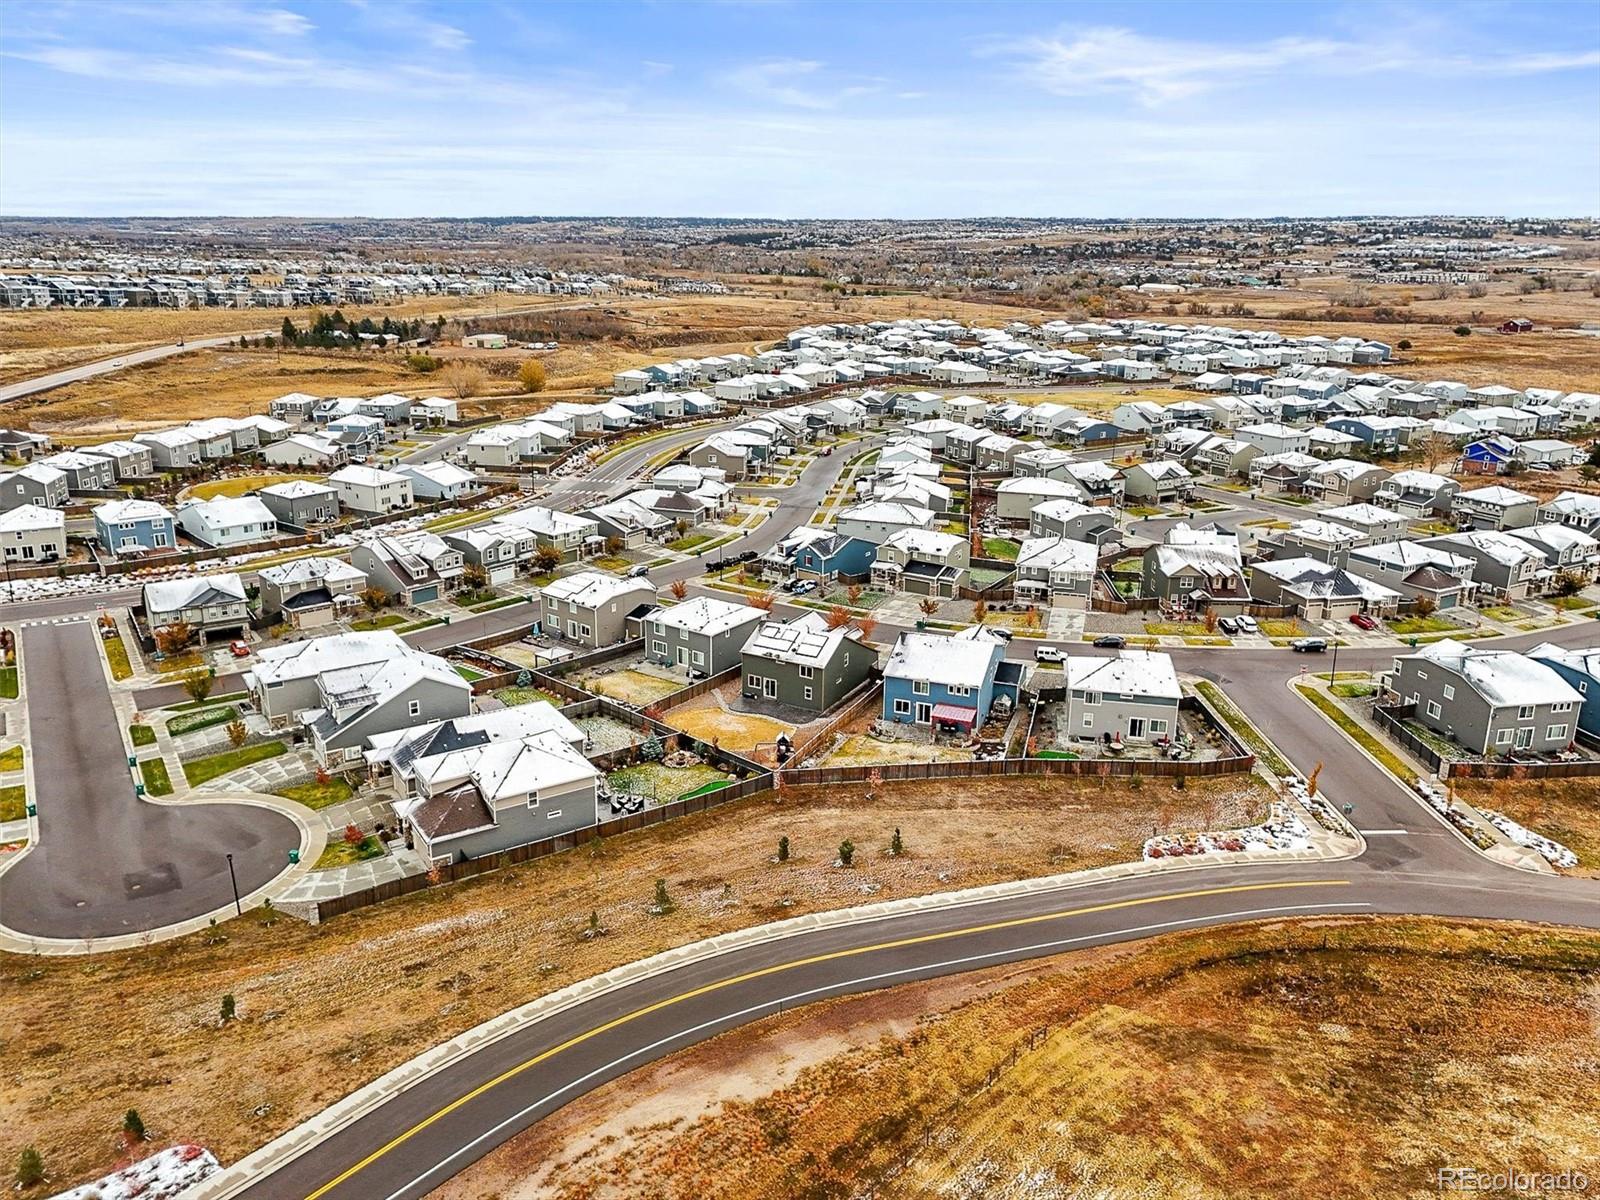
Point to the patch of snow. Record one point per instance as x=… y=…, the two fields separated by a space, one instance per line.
x=164 y=1174
x=1282 y=830
x=1553 y=852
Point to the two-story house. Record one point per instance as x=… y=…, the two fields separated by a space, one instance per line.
x=1495 y=507
x=702 y=636
x=133 y=526
x=310 y=592
x=359 y=702
x=569 y=535
x=227 y=520
x=1413 y=493
x=1056 y=570
x=371 y=492
x=31 y=533
x=301 y=503
x=412 y=568
x=1488 y=701
x=924 y=562
x=592 y=608
x=803 y=664
x=1580 y=667
x=946 y=683
x=1130 y=698
x=208 y=604
x=1506 y=566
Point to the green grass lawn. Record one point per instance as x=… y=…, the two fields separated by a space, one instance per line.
x=1404 y=625
x=1368 y=741
x=470 y=674
x=1002 y=548
x=665 y=783
x=1068 y=755
x=502 y=602
x=511 y=696
x=156 y=780
x=13 y=803
x=8 y=683
x=1354 y=691
x=200 y=718
x=203 y=769
x=468 y=599
x=341 y=853
x=1501 y=612
x=11 y=760
x=141 y=735
x=317 y=795
x=689 y=542
x=1287 y=627
x=117 y=657
x=1573 y=603
x=381 y=621
x=191 y=705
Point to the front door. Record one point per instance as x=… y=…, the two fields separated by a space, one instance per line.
x=1135 y=727
x=1524 y=738
x=924 y=713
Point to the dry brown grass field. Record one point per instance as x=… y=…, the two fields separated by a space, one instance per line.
x=1567 y=810
x=324 y=1009
x=1329 y=1059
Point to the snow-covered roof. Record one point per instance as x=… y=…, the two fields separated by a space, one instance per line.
x=805 y=641
x=1361 y=515
x=590 y=589
x=303 y=660
x=707 y=615
x=1130 y=673
x=365 y=476
x=1502 y=677
x=119 y=512
x=1496 y=495
x=325 y=569
x=170 y=595
x=30 y=518
x=1057 y=554
x=938 y=658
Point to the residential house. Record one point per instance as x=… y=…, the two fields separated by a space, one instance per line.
x=1058 y=571
x=592 y=608
x=20 y=445
x=877 y=520
x=1132 y=697
x=569 y=535
x=631 y=522
x=1489 y=701
x=1416 y=571
x=411 y=568
x=1017 y=497
x=703 y=635
x=129 y=460
x=438 y=480
x=824 y=554
x=1373 y=522
x=803 y=664
x=1551 y=452
x=1507 y=567
x=1330 y=443
x=369 y=491
x=924 y=562
x=1414 y=493
x=1576 y=510
x=1158 y=482
x=1069 y=519
x=84 y=472
x=1345 y=479
x=946 y=683
x=34 y=484
x=295 y=408
x=1325 y=541
x=32 y=533
x=300 y=503
x=1141 y=416
x=1494 y=507
x=1274 y=437
x=1580 y=667
x=132 y=526
x=1565 y=550
x=227 y=521
x=282 y=680
x=1319 y=590
x=361 y=702
x=306 y=450
x=1226 y=458
x=720 y=452
x=496 y=547
x=310 y=592
x=435 y=410
x=1489 y=456
x=208 y=604
x=1196 y=568
x=172 y=449
x=1281 y=472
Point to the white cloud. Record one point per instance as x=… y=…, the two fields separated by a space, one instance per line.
x=777 y=79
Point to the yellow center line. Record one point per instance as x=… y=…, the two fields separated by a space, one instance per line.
x=898 y=943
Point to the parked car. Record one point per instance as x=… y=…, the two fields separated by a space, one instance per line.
x=1247 y=623
x=1049 y=654
x=1110 y=641
x=1308 y=645
x=805 y=587
x=239 y=649
x=1228 y=625
x=638 y=572
x=999 y=631
x=1362 y=621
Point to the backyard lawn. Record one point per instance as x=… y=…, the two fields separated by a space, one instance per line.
x=860 y=750
x=630 y=686
x=470 y=674
x=738 y=732
x=317 y=795
x=512 y=696
x=203 y=769
x=8 y=683
x=664 y=784
x=1003 y=548
x=240 y=485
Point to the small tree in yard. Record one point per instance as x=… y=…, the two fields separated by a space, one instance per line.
x=980 y=610
x=853 y=593
x=171 y=639
x=838 y=617
x=374 y=598
x=663 y=902
x=595 y=929
x=132 y=1126
x=475 y=577
x=929 y=607
x=197 y=684
x=865 y=625
x=531 y=375
x=30 y=1168
x=764 y=601
x=847 y=851
x=546 y=559
x=614 y=545
x=1568 y=584
x=238 y=733
x=353 y=835
x=896 y=846
x=229 y=1010
x=1211 y=620
x=1425 y=606
x=322 y=777
x=783 y=849
x=679 y=589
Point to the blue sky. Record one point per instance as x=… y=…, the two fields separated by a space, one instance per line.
x=385 y=108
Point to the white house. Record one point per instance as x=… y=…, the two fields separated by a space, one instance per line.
x=370 y=491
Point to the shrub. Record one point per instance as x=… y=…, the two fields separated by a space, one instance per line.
x=1462 y=331
x=229 y=1010
x=896 y=846
x=663 y=902
x=30 y=1168
x=352 y=835
x=847 y=851
x=133 y=1125
x=783 y=849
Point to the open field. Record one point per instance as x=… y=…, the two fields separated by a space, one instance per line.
x=324 y=1009
x=239 y=485
x=1262 y=1064
x=1567 y=810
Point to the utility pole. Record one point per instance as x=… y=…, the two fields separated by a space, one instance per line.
x=234 y=879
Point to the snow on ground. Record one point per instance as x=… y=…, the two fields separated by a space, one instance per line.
x=1553 y=852
x=163 y=1175
x=1282 y=830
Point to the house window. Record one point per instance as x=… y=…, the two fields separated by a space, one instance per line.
x=1563 y=707
x=1157 y=727
x=807 y=672
x=697 y=658
x=1088 y=720
x=1433 y=709
x=808 y=693
x=1525 y=713
x=658 y=647
x=1503 y=738
x=585 y=629
x=1449 y=692
x=902 y=708
x=533 y=799
x=1091 y=697
x=1556 y=733
x=753 y=682
x=919 y=687
x=415 y=708
x=1422 y=674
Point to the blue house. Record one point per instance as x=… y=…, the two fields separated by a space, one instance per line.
x=1580 y=668
x=834 y=555
x=947 y=683
x=1488 y=456
x=1087 y=430
x=122 y=526
x=1376 y=433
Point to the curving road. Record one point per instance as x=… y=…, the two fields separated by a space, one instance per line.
x=105 y=366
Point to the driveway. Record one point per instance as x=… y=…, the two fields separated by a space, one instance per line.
x=107 y=863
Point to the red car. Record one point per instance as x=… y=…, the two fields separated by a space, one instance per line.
x=239 y=649
x=1362 y=621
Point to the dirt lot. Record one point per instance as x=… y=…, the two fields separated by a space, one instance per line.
x=1265 y=1065
x=1567 y=810
x=323 y=1010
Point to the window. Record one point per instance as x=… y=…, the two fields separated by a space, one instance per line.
x=752 y=681
x=1433 y=709
x=1422 y=674
x=919 y=687
x=1449 y=692
x=1503 y=738
x=807 y=672
x=1564 y=707
x=959 y=691
x=1525 y=713
x=586 y=630
x=808 y=693
x=550 y=601
x=698 y=658
x=533 y=799
x=1556 y=733
x=658 y=647
x=902 y=708
x=1088 y=720
x=415 y=708
x=1157 y=727
x=1091 y=698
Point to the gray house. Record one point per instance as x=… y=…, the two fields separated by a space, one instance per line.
x=308 y=592
x=360 y=702
x=33 y=484
x=130 y=460
x=805 y=665
x=1489 y=701
x=1495 y=507
x=1506 y=566
x=301 y=503
x=84 y=472
x=283 y=680
x=208 y=604
x=702 y=636
x=1130 y=698
x=592 y=608
x=31 y=533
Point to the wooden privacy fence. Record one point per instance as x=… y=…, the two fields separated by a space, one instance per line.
x=1092 y=767
x=1521 y=770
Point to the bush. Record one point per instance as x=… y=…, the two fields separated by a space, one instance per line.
x=663 y=902
x=353 y=835
x=30 y=1168
x=229 y=1010
x=783 y=849
x=1404 y=344
x=133 y=1125
x=1462 y=331
x=847 y=851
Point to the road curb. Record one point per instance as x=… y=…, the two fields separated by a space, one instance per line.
x=342 y=1113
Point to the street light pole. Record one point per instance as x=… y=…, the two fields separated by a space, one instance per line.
x=1334 y=673
x=234 y=879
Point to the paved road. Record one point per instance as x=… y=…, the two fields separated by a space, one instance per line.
x=104 y=366
x=105 y=862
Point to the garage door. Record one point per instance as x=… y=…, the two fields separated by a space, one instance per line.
x=424 y=595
